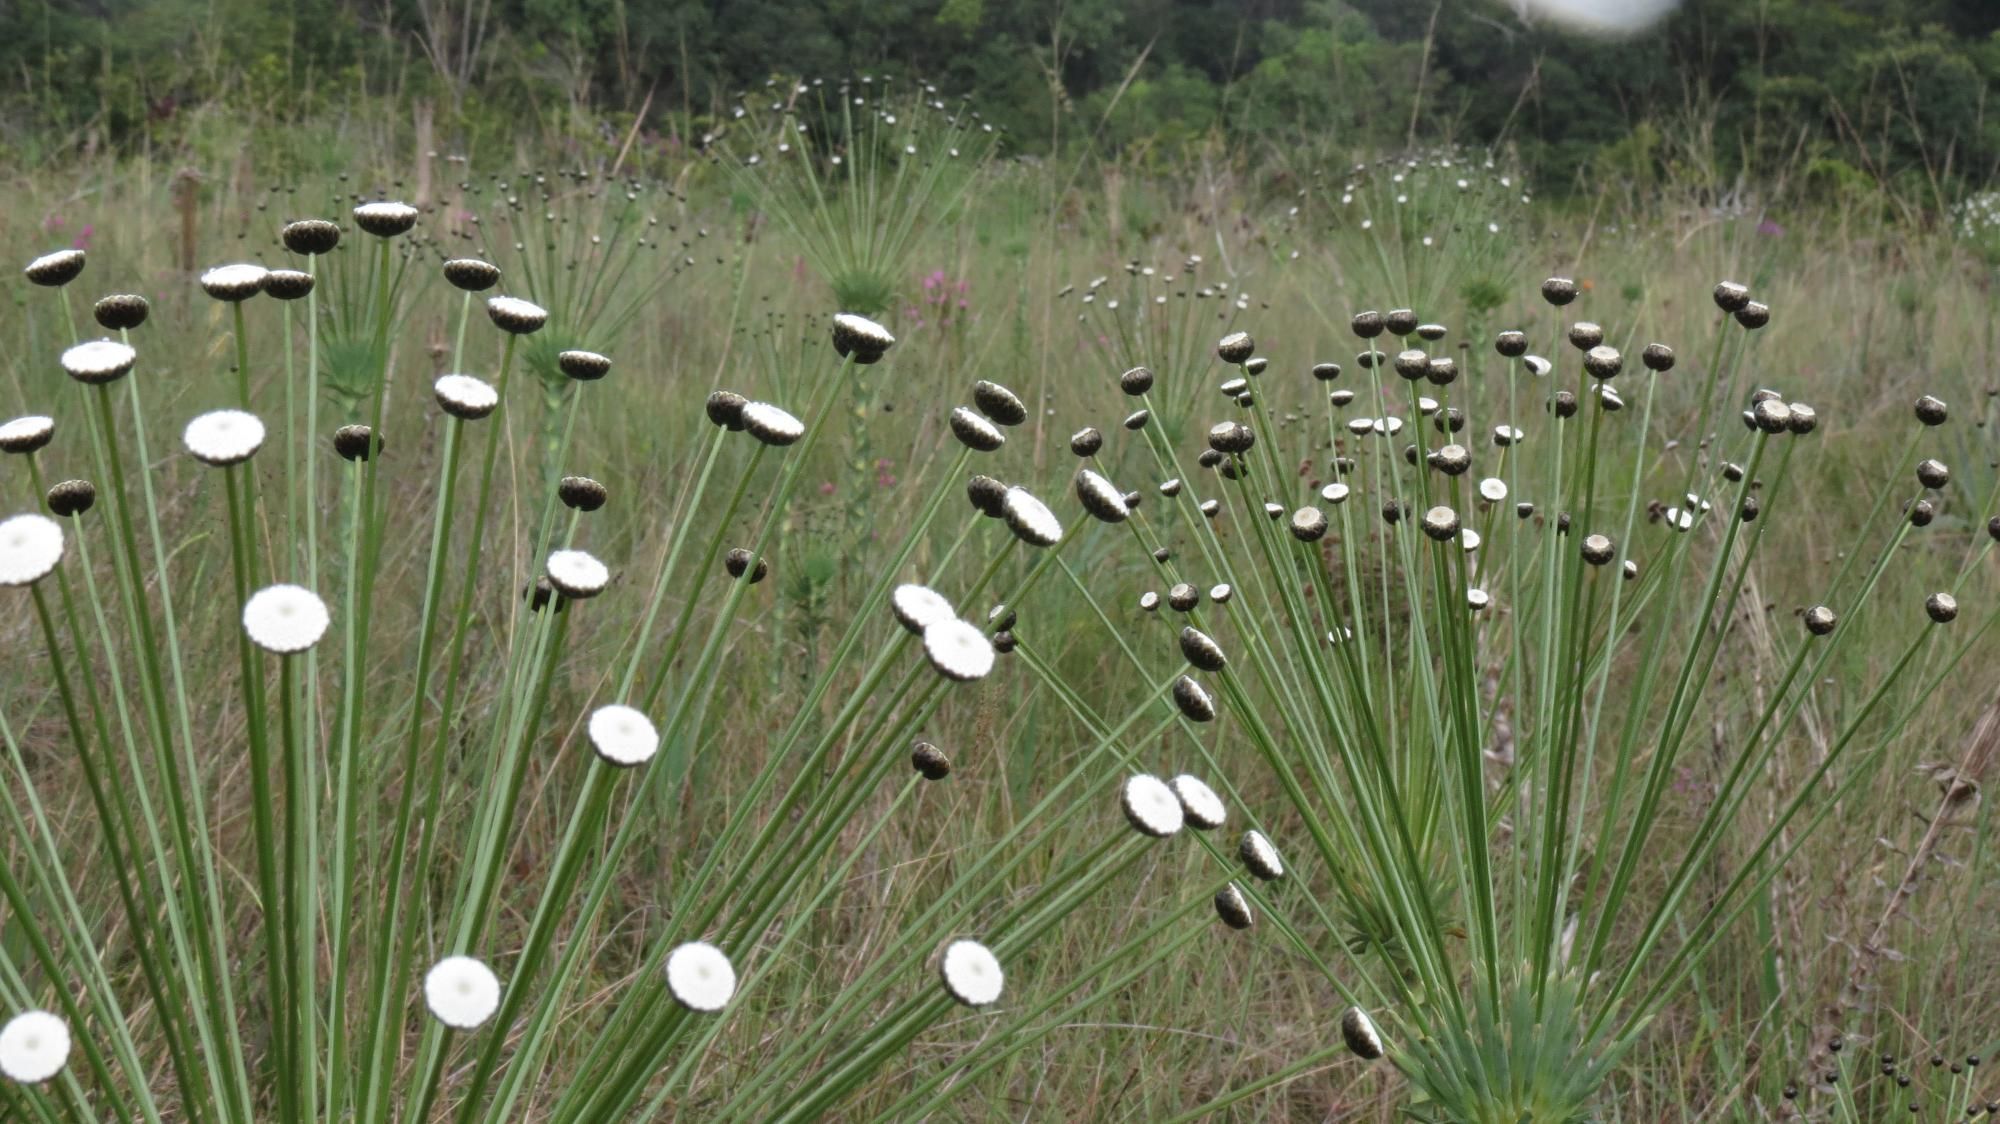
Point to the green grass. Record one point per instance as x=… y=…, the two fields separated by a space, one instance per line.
x=458 y=808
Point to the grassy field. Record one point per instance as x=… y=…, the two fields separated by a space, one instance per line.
x=1781 y=835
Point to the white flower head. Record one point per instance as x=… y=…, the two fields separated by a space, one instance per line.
x=233 y=283
x=224 y=437
x=27 y=434
x=1151 y=806
x=1260 y=857
x=1493 y=489
x=1203 y=808
x=99 y=361
x=971 y=973
x=700 y=977
x=623 y=735
x=385 y=219
x=771 y=425
x=34 y=1046
x=514 y=315
x=1030 y=519
x=958 y=650
x=919 y=606
x=285 y=619
x=463 y=396
x=30 y=547
x=461 y=992
x=577 y=574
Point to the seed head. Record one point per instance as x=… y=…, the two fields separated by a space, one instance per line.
x=1442 y=370
x=1326 y=372
x=739 y=561
x=725 y=408
x=583 y=366
x=998 y=403
x=1597 y=549
x=1658 y=357
x=54 y=270
x=1942 y=607
x=1603 y=362
x=1255 y=365
x=1356 y=1028
x=1431 y=333
x=1931 y=411
x=1820 y=620
x=1803 y=420
x=72 y=498
x=1750 y=510
x=1087 y=441
x=1922 y=512
x=1231 y=437
x=1183 y=597
x=1753 y=315
x=1136 y=381
x=987 y=494
x=99 y=361
x=1441 y=524
x=288 y=284
x=1235 y=347
x=1233 y=908
x=1563 y=404
x=1933 y=473
x=1367 y=325
x=516 y=316
x=1137 y=419
x=385 y=220
x=471 y=275
x=863 y=339
x=465 y=397
x=1584 y=335
x=929 y=761
x=1524 y=510
x=1511 y=344
x=121 y=311
x=1772 y=415
x=1400 y=322
x=310 y=236
x=1308 y=524
x=772 y=426
x=1100 y=497
x=1730 y=296
x=1452 y=460
x=26 y=434
x=1412 y=364
x=975 y=432
x=1559 y=291
x=356 y=442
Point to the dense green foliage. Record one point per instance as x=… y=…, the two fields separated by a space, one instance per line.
x=1829 y=96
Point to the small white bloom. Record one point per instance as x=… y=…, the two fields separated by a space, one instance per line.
x=98 y=361
x=971 y=973
x=463 y=396
x=1259 y=857
x=577 y=574
x=224 y=437
x=1334 y=492
x=285 y=619
x=771 y=425
x=1203 y=807
x=1030 y=518
x=34 y=1046
x=1493 y=489
x=1477 y=599
x=958 y=650
x=25 y=435
x=623 y=735
x=919 y=606
x=461 y=992
x=1151 y=806
x=30 y=547
x=700 y=977
x=1537 y=366
x=238 y=282
x=512 y=314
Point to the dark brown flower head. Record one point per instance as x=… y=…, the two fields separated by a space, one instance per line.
x=1750 y=509
x=1524 y=510
x=1309 y=524
x=1392 y=512
x=771 y=425
x=1400 y=322
x=738 y=562
x=1941 y=607
x=1137 y=419
x=1932 y=473
x=1233 y=908
x=1412 y=364
x=987 y=494
x=1170 y=488
x=1100 y=497
x=356 y=442
x=540 y=595
x=1441 y=524
x=1211 y=508
x=929 y=761
x=1326 y=372
x=1208 y=458
x=1193 y=700
x=1442 y=370
x=1340 y=398
x=1730 y=296
x=1732 y=472
x=72 y=498
x=1511 y=344
x=1367 y=360
x=1922 y=512
x=998 y=403
x=1136 y=381
x=1235 y=347
x=1753 y=315
x=1803 y=420
x=1358 y=1030
x=1563 y=404
x=975 y=432
x=310 y=236
x=1559 y=291
x=1451 y=419
x=1231 y=437
x=288 y=284
x=1658 y=357
x=1772 y=415
x=1255 y=365
x=1368 y=325
x=1452 y=460
x=725 y=408
x=1201 y=650
x=1431 y=333
x=1086 y=442
x=1597 y=549
x=121 y=311
x=55 y=270
x=1004 y=642
x=1584 y=335
x=1183 y=597
x=581 y=493
x=861 y=338
x=1820 y=620
x=583 y=366
x=385 y=220
x=471 y=275
x=1993 y=528
x=1931 y=411
x=1603 y=362
x=516 y=316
